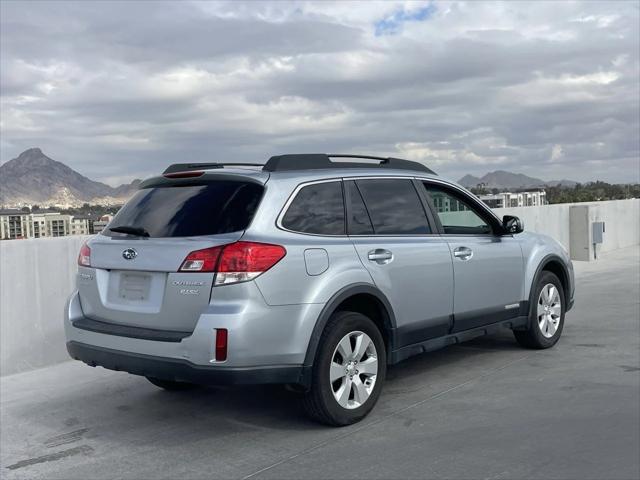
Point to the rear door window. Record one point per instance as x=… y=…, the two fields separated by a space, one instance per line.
x=394 y=207
x=317 y=209
x=212 y=208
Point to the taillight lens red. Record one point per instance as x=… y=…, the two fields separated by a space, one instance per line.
x=236 y=262
x=84 y=257
x=250 y=257
x=202 y=260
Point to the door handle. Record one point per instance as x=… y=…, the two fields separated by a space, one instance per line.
x=463 y=253
x=380 y=256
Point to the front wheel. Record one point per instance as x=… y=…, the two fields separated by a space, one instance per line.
x=546 y=314
x=348 y=371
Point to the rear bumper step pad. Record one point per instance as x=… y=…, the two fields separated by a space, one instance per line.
x=129 y=331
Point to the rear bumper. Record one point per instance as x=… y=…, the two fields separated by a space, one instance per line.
x=183 y=370
x=258 y=335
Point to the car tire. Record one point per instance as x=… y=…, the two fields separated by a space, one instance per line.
x=546 y=314
x=170 y=384
x=348 y=372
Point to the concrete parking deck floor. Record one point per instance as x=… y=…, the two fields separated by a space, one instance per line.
x=485 y=409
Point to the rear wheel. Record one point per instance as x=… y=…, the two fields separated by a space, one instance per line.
x=546 y=314
x=348 y=371
x=170 y=384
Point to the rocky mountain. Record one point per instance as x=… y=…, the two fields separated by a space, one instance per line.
x=502 y=179
x=469 y=181
x=34 y=178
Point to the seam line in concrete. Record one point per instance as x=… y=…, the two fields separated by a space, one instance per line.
x=382 y=419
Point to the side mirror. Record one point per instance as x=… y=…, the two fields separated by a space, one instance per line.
x=512 y=224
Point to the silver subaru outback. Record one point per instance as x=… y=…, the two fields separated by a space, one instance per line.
x=315 y=271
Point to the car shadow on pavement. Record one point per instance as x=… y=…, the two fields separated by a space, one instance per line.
x=123 y=408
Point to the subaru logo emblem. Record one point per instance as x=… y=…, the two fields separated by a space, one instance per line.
x=129 y=254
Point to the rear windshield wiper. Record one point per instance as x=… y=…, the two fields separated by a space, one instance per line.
x=138 y=231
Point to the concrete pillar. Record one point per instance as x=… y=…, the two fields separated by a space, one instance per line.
x=580 y=233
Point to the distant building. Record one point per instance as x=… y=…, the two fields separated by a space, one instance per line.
x=82 y=225
x=16 y=224
x=445 y=203
x=101 y=223
x=515 y=199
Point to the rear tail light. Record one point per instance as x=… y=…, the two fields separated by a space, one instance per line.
x=243 y=261
x=201 y=260
x=221 y=344
x=84 y=257
x=236 y=262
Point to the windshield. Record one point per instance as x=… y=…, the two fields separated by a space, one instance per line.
x=212 y=208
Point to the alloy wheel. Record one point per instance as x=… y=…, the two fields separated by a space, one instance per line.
x=549 y=310
x=353 y=371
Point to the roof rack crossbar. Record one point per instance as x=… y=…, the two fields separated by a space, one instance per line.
x=315 y=161
x=349 y=155
x=185 y=167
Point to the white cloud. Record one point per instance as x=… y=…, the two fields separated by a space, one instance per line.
x=122 y=88
x=557 y=153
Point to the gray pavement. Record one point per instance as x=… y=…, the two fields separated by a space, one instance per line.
x=485 y=409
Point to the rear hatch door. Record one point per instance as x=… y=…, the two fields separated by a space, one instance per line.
x=135 y=279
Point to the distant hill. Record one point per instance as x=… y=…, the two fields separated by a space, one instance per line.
x=502 y=179
x=561 y=183
x=34 y=178
x=469 y=181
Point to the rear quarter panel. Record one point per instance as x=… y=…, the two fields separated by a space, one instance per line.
x=291 y=281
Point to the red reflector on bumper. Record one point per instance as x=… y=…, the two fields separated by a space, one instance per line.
x=221 y=344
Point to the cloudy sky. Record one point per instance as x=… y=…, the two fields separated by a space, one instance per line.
x=117 y=90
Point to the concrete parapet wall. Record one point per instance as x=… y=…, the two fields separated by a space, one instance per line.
x=552 y=220
x=621 y=217
x=37 y=276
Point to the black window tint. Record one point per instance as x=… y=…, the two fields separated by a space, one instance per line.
x=394 y=207
x=359 y=221
x=457 y=216
x=183 y=211
x=317 y=209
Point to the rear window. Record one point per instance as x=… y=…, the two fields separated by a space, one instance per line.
x=212 y=208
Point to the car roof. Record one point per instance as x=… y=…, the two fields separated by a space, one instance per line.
x=256 y=174
x=329 y=173
x=306 y=166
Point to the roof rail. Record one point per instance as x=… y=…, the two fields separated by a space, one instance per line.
x=185 y=167
x=308 y=161
x=315 y=161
